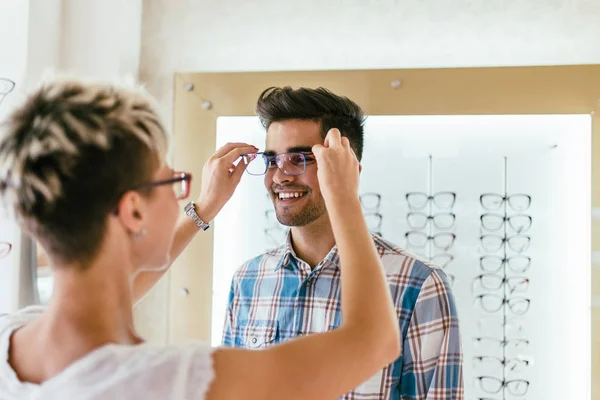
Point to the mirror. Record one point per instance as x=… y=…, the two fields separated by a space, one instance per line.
x=502 y=203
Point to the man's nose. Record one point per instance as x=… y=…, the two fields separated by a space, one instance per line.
x=281 y=178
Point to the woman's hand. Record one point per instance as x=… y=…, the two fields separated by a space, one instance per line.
x=220 y=177
x=337 y=167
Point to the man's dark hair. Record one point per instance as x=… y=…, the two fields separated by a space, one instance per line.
x=319 y=105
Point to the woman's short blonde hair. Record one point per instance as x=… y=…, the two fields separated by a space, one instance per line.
x=68 y=154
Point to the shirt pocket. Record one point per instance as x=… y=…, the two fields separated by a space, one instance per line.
x=260 y=333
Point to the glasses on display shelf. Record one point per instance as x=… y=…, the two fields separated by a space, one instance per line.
x=516 y=364
x=442 y=240
x=6 y=86
x=501 y=342
x=492 y=303
x=492 y=243
x=370 y=201
x=493 y=201
x=490 y=281
x=492 y=385
x=5 y=248
x=518 y=263
x=419 y=220
x=276 y=236
x=442 y=200
x=494 y=222
x=373 y=221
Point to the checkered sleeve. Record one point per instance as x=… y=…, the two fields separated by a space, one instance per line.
x=432 y=350
x=228 y=339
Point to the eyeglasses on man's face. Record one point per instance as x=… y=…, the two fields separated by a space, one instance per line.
x=291 y=164
x=180 y=182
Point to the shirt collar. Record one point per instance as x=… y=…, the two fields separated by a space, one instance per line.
x=288 y=251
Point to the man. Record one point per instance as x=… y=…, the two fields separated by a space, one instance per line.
x=295 y=290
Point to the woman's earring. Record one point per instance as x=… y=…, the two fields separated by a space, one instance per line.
x=139 y=235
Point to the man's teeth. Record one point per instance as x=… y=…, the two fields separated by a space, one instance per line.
x=289 y=195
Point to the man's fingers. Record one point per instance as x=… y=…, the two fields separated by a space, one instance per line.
x=333 y=138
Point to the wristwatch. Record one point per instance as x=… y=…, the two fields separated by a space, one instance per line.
x=190 y=211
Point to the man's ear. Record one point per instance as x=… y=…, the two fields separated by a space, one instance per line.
x=132 y=212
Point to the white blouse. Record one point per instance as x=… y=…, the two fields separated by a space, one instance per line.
x=112 y=371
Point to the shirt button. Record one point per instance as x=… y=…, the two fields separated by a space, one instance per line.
x=254 y=340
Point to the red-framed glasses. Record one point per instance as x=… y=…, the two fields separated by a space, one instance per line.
x=181 y=182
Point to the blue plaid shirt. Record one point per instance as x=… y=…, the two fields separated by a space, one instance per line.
x=276 y=297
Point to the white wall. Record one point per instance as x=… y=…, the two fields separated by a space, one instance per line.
x=14 y=22
x=100 y=38
x=229 y=35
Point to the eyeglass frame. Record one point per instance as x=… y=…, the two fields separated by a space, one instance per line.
x=183 y=177
x=270 y=157
x=505 y=362
x=430 y=218
x=503 y=384
x=368 y=194
x=431 y=198
x=505 y=198
x=5 y=249
x=11 y=87
x=503 y=261
x=504 y=282
x=375 y=215
x=431 y=238
x=505 y=302
x=505 y=239
x=504 y=220
x=503 y=342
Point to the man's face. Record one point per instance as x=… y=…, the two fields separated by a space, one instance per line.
x=295 y=136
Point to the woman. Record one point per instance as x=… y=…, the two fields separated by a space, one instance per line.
x=83 y=166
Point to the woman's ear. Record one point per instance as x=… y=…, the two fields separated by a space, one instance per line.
x=359 y=168
x=131 y=212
